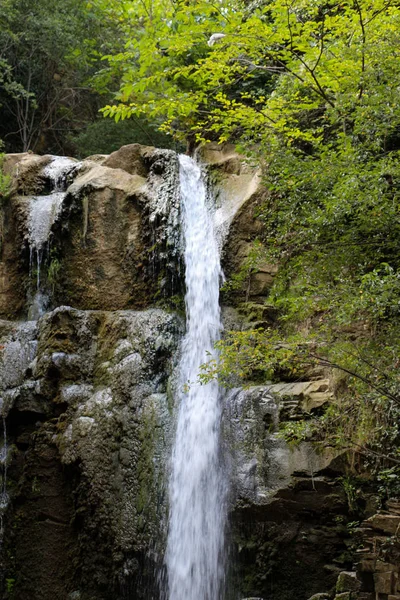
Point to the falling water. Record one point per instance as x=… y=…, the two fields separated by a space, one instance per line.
x=195 y=544
x=43 y=210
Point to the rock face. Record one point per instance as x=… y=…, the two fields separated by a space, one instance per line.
x=115 y=243
x=89 y=422
x=290 y=511
x=106 y=243
x=378 y=568
x=87 y=393
x=263 y=462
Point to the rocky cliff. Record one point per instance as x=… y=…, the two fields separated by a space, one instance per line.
x=91 y=304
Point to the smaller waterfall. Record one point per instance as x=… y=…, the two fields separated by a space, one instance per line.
x=195 y=544
x=43 y=211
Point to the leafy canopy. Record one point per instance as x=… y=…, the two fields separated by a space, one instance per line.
x=284 y=68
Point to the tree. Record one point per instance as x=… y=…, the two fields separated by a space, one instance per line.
x=48 y=52
x=329 y=64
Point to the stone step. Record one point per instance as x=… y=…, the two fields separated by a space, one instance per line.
x=384 y=522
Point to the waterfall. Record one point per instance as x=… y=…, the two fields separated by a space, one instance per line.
x=43 y=211
x=195 y=545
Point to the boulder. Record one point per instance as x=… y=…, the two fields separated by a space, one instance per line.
x=302 y=396
x=386 y=523
x=132 y=158
x=385 y=582
x=343 y=596
x=347 y=582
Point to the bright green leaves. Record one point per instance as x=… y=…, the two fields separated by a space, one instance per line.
x=255 y=355
x=5 y=180
x=379 y=292
x=316 y=55
x=331 y=219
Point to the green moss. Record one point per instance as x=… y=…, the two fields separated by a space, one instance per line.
x=10 y=582
x=258 y=559
x=54 y=273
x=145 y=476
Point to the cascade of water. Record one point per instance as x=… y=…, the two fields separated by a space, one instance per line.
x=43 y=210
x=195 y=545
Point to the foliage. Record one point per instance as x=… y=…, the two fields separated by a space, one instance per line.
x=295 y=432
x=5 y=180
x=104 y=136
x=244 y=355
x=325 y=63
x=333 y=222
x=389 y=483
x=49 y=51
x=10 y=582
x=310 y=88
x=351 y=488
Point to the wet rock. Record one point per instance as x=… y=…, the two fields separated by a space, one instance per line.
x=347 y=582
x=263 y=461
x=102 y=380
x=133 y=159
x=25 y=170
x=389 y=524
x=343 y=596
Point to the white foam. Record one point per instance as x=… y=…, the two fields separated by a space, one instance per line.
x=195 y=545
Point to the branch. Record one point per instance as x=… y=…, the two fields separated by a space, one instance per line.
x=364 y=37
x=325 y=362
x=378 y=12
x=322 y=46
x=364 y=450
x=319 y=89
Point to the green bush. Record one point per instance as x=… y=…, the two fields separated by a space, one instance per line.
x=105 y=136
x=4 y=179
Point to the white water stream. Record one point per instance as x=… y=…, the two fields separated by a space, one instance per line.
x=195 y=546
x=43 y=210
